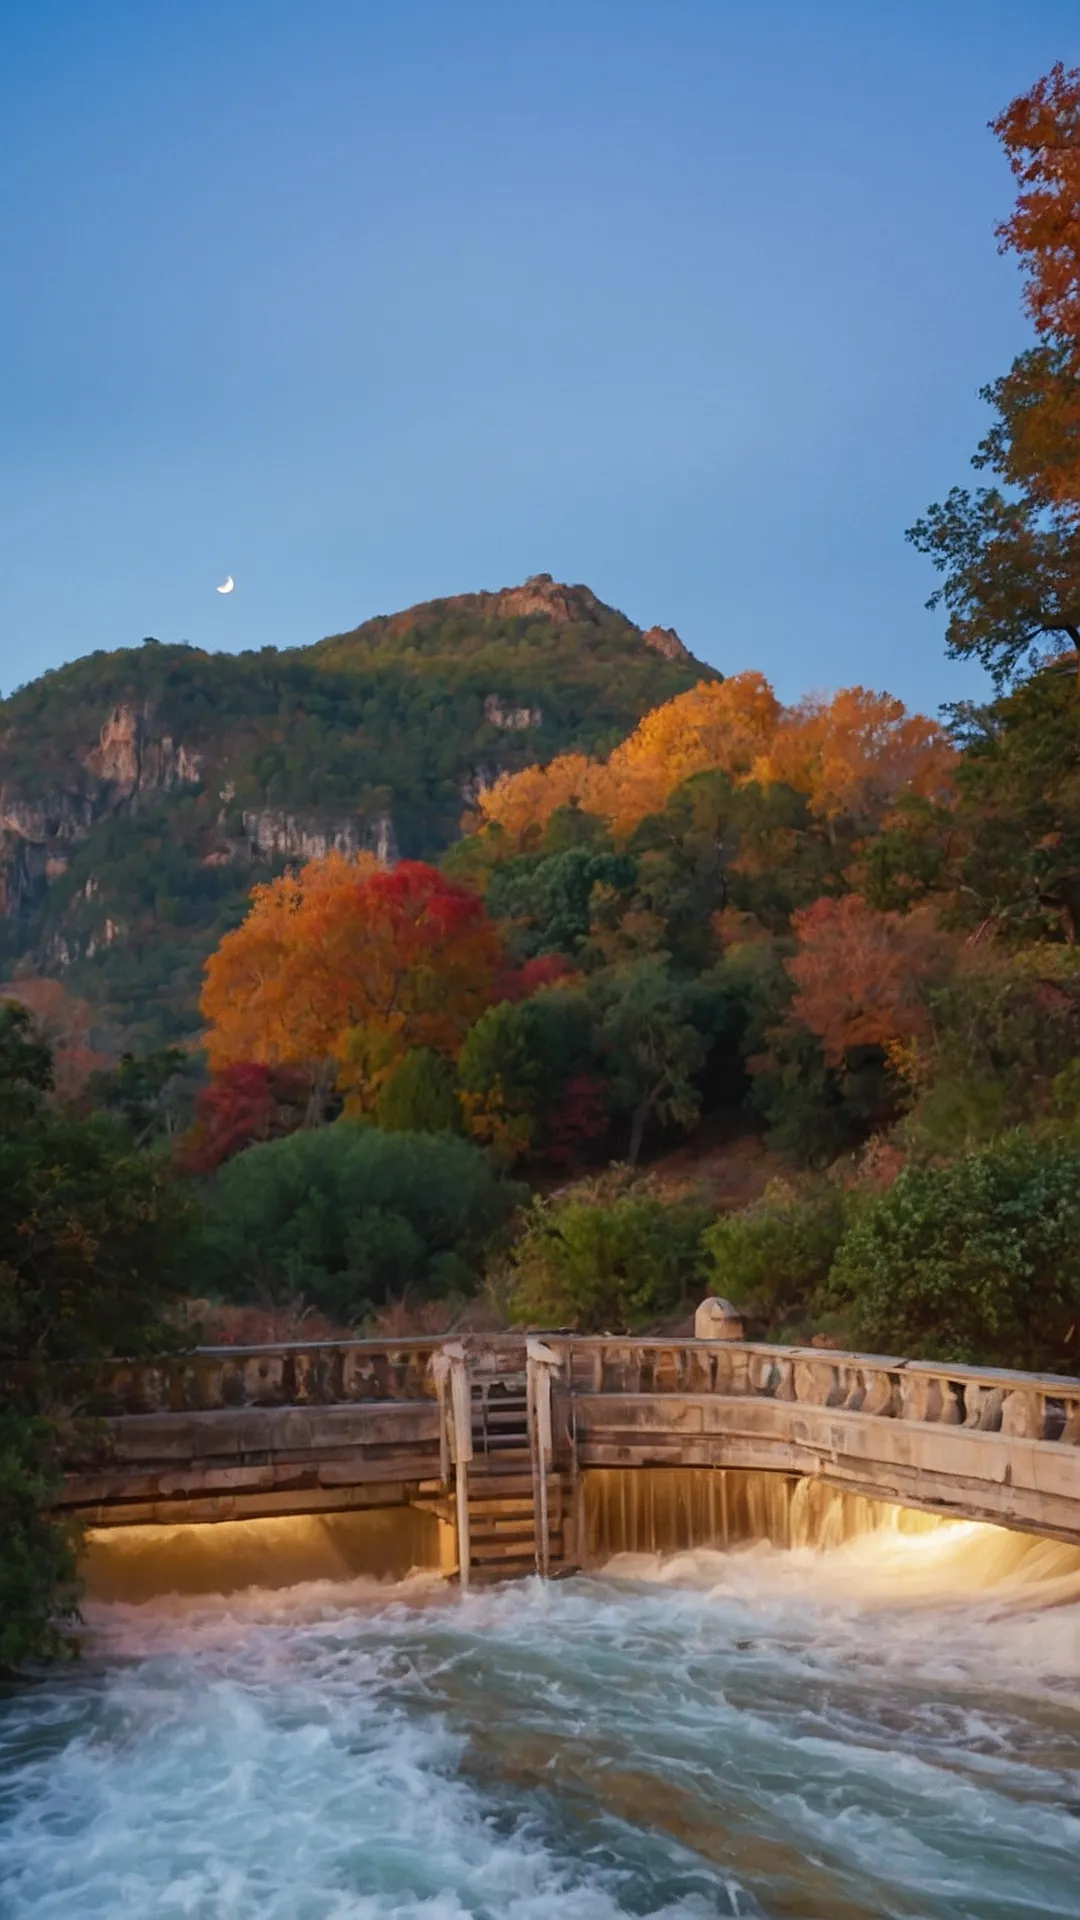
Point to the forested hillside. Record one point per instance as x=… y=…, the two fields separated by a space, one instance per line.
x=143 y=792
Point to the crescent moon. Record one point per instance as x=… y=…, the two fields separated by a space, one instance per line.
x=228 y=586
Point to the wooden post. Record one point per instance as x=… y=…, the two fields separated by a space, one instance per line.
x=539 y=1361
x=461 y=1504
x=454 y=1387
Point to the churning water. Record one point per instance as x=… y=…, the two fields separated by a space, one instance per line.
x=888 y=1726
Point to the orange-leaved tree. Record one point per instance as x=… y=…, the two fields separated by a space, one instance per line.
x=861 y=977
x=857 y=754
x=1040 y=132
x=721 y=724
x=347 y=962
x=854 y=754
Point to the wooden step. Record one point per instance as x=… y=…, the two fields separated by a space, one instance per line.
x=503 y=1484
x=507 y=1526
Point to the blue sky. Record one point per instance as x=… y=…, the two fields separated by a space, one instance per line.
x=365 y=303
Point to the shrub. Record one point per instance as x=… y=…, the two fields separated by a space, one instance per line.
x=615 y=1266
x=773 y=1257
x=420 y=1096
x=348 y=1217
x=977 y=1261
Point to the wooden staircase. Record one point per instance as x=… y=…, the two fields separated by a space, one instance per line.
x=503 y=1521
x=504 y=1525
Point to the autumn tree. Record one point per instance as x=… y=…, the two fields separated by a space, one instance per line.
x=855 y=754
x=348 y=963
x=1040 y=132
x=852 y=754
x=719 y=723
x=861 y=977
x=244 y=1103
x=1009 y=552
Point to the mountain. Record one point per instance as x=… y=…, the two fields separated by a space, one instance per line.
x=144 y=791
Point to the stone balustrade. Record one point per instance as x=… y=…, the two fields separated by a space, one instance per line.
x=286 y=1374
x=984 y=1399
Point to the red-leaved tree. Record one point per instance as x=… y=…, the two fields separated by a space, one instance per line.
x=244 y=1103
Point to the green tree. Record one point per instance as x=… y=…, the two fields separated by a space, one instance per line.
x=546 y=899
x=1006 y=1039
x=420 y=1096
x=655 y=1049
x=976 y=1261
x=154 y=1094
x=349 y=1217
x=615 y=1266
x=92 y=1245
x=1012 y=577
x=773 y=1258
x=516 y=1064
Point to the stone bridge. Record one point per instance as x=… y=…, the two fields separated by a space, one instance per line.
x=495 y=1435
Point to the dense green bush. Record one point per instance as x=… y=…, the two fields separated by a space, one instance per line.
x=607 y=1266
x=773 y=1258
x=975 y=1261
x=348 y=1217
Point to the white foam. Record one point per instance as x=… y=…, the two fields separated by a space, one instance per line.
x=760 y=1731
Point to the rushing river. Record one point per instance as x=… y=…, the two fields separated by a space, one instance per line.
x=891 y=1727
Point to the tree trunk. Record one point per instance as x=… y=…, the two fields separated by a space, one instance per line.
x=322 y=1082
x=637 y=1131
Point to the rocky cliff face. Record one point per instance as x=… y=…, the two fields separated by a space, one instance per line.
x=131 y=756
x=278 y=835
x=134 y=755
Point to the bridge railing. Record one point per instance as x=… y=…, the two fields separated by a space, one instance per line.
x=985 y=1399
x=326 y=1373
x=286 y=1374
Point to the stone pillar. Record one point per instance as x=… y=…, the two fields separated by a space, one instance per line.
x=717 y=1319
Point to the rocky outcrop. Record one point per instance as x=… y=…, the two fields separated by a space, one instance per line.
x=132 y=757
x=539 y=597
x=508 y=719
x=541 y=594
x=278 y=835
x=665 y=640
x=23 y=876
x=478 y=780
x=110 y=931
x=62 y=817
